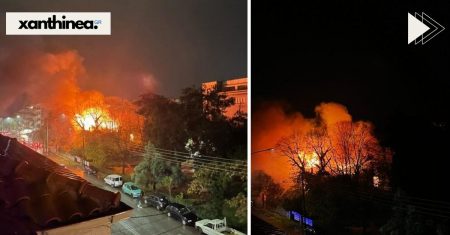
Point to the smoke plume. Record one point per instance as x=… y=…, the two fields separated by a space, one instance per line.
x=272 y=121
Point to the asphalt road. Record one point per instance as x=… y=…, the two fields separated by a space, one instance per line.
x=143 y=221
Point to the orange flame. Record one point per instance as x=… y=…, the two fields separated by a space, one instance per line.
x=94 y=119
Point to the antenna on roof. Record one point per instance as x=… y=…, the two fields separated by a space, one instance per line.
x=5 y=152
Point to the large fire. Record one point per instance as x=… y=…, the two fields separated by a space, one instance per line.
x=311 y=161
x=331 y=142
x=94 y=119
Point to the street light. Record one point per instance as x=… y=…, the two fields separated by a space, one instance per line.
x=263 y=150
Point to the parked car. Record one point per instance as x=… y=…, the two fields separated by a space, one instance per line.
x=182 y=213
x=131 y=189
x=215 y=227
x=158 y=201
x=113 y=180
x=90 y=170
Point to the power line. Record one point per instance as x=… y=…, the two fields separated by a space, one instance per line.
x=241 y=166
x=177 y=153
x=204 y=161
x=203 y=156
x=207 y=162
x=205 y=167
x=189 y=157
x=196 y=161
x=216 y=168
x=202 y=165
x=201 y=159
x=186 y=153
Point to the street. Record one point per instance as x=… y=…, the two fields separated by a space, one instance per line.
x=144 y=221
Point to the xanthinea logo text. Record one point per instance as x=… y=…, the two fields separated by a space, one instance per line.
x=53 y=23
x=58 y=23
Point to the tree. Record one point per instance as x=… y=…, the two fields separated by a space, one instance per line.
x=94 y=152
x=265 y=188
x=204 y=120
x=158 y=169
x=90 y=105
x=354 y=147
x=319 y=143
x=295 y=149
x=215 y=104
x=128 y=126
x=163 y=122
x=143 y=172
x=153 y=170
x=223 y=194
x=167 y=181
x=60 y=131
x=240 y=204
x=235 y=210
x=197 y=115
x=210 y=182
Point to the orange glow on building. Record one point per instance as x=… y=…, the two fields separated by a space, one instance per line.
x=234 y=88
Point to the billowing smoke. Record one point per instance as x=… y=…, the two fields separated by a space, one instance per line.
x=332 y=113
x=149 y=82
x=16 y=72
x=272 y=121
x=39 y=78
x=30 y=76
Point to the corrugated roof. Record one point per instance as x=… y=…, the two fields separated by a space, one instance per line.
x=37 y=193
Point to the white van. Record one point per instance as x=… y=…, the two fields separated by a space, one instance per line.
x=114 y=180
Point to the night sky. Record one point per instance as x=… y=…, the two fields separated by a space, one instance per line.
x=173 y=43
x=356 y=54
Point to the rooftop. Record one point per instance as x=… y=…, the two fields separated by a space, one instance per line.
x=38 y=194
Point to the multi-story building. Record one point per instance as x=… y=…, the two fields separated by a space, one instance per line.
x=235 y=88
x=31 y=117
x=23 y=124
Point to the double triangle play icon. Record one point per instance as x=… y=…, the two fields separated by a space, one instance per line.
x=422 y=28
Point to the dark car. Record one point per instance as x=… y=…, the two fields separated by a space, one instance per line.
x=158 y=201
x=182 y=213
x=90 y=170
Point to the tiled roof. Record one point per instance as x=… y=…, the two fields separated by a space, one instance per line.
x=37 y=193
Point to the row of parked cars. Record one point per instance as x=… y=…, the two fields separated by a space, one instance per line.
x=160 y=202
x=187 y=216
x=175 y=210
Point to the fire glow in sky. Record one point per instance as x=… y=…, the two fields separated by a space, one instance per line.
x=272 y=123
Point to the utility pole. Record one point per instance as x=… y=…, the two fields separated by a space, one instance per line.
x=46 y=147
x=304 y=201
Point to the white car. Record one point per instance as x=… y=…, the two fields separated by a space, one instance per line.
x=215 y=227
x=114 y=180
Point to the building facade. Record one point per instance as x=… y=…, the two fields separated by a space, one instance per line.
x=234 y=88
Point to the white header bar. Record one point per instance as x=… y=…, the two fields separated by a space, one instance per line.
x=58 y=23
